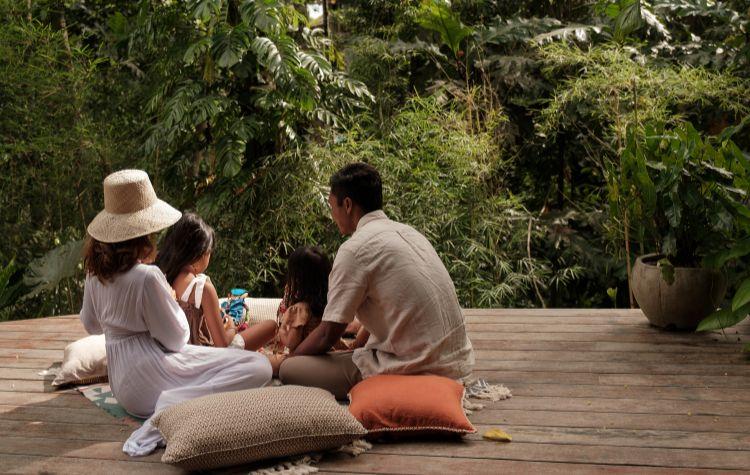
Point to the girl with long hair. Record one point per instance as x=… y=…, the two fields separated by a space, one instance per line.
x=184 y=255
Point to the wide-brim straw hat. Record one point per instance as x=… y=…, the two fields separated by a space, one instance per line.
x=131 y=209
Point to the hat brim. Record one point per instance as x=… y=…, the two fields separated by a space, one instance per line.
x=109 y=227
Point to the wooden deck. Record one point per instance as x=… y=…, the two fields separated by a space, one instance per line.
x=593 y=391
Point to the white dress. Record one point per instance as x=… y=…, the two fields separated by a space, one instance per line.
x=150 y=364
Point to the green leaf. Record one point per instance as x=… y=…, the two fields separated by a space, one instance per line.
x=230 y=46
x=204 y=9
x=723 y=318
x=48 y=271
x=10 y=284
x=612 y=293
x=629 y=20
x=667 y=270
x=742 y=297
x=436 y=15
x=232 y=166
x=195 y=49
x=720 y=258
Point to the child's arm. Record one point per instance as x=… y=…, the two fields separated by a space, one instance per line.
x=293 y=338
x=361 y=340
x=293 y=323
x=222 y=336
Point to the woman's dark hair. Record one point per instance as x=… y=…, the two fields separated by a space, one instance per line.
x=361 y=183
x=185 y=242
x=106 y=260
x=307 y=278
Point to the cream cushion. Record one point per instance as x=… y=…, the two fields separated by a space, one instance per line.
x=259 y=309
x=246 y=426
x=84 y=362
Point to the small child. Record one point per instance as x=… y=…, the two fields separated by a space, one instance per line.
x=305 y=298
x=183 y=257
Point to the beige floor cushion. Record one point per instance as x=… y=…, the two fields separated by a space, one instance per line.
x=246 y=426
x=84 y=362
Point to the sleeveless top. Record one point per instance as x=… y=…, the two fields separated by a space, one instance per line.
x=307 y=320
x=199 y=334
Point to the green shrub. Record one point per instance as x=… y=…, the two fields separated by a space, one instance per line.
x=438 y=177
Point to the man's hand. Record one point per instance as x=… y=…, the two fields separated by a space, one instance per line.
x=320 y=341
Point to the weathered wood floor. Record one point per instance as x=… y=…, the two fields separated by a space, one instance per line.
x=593 y=391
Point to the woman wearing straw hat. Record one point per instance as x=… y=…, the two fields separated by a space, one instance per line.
x=150 y=364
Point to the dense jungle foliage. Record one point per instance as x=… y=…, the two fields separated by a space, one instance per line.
x=532 y=142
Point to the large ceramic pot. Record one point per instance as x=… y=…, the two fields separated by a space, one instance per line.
x=694 y=294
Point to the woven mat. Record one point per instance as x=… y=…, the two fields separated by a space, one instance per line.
x=101 y=395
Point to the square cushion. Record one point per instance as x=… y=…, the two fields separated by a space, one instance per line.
x=84 y=362
x=259 y=309
x=410 y=405
x=246 y=426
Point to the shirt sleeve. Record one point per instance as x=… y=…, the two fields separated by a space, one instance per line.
x=163 y=316
x=347 y=288
x=88 y=313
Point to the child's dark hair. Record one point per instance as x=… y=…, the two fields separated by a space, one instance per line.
x=307 y=278
x=185 y=242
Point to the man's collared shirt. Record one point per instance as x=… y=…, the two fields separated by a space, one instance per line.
x=390 y=276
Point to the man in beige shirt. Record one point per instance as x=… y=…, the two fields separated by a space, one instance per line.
x=391 y=278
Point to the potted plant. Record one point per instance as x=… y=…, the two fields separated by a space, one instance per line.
x=684 y=199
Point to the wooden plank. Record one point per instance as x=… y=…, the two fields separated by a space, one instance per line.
x=607 y=420
x=591 y=387
x=700 y=340
x=622 y=437
x=29 y=386
x=31 y=353
x=27 y=374
x=606 y=346
x=610 y=455
x=618 y=329
x=625 y=406
x=684 y=381
x=598 y=367
x=65 y=465
x=523 y=388
x=548 y=319
x=110 y=451
x=88 y=416
x=31 y=363
x=115 y=432
x=560 y=312
x=70 y=326
x=37 y=343
x=52 y=400
x=445 y=464
x=30 y=335
x=683 y=359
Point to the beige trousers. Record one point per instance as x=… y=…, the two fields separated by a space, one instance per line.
x=334 y=372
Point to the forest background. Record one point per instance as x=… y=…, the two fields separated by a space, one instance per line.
x=499 y=128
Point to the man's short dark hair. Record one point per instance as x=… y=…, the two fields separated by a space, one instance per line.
x=361 y=183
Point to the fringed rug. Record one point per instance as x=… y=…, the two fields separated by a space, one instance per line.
x=101 y=395
x=481 y=389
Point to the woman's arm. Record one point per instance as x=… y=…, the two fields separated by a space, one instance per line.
x=88 y=314
x=220 y=335
x=163 y=316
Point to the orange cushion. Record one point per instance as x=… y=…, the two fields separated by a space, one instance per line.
x=420 y=404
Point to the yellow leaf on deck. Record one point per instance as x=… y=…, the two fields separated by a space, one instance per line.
x=497 y=434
